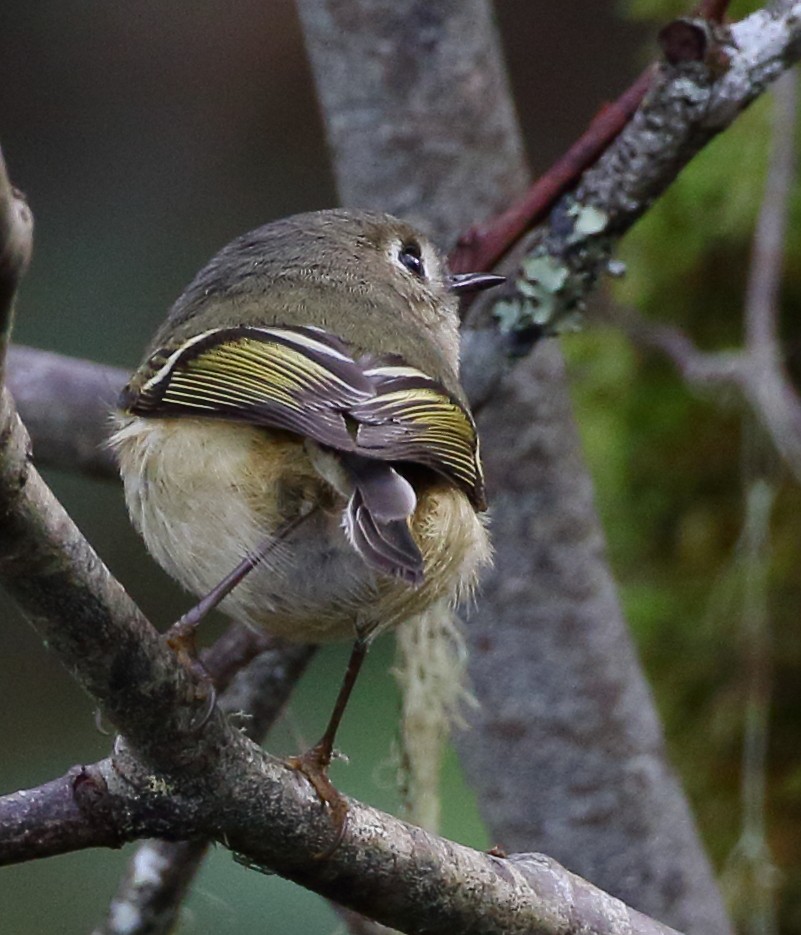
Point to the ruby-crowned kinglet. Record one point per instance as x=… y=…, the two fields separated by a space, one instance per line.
x=311 y=370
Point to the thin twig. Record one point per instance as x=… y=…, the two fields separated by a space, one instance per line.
x=757 y=371
x=769 y=389
x=767 y=257
x=713 y=10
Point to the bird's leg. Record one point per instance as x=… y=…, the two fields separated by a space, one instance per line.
x=321 y=753
x=181 y=635
x=315 y=761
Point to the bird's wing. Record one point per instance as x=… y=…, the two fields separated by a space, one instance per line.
x=413 y=418
x=299 y=379
x=376 y=414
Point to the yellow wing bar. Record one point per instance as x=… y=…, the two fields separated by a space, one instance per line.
x=304 y=380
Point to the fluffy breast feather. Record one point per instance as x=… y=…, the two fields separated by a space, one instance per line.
x=203 y=493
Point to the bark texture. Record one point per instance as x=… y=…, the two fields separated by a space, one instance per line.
x=65 y=405
x=572 y=763
x=566 y=750
x=417 y=108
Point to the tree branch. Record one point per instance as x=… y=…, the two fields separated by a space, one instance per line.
x=49 y=820
x=484 y=245
x=84 y=614
x=65 y=405
x=689 y=103
x=179 y=772
x=555 y=579
x=417 y=109
x=394 y=872
x=98 y=632
x=713 y=10
x=553 y=652
x=148 y=903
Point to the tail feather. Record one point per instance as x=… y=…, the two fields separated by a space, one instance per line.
x=386 y=493
x=376 y=520
x=388 y=547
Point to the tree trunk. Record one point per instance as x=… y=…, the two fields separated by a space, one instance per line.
x=566 y=751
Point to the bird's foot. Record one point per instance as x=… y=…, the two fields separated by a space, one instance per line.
x=181 y=639
x=313 y=764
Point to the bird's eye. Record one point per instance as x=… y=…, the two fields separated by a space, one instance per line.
x=411 y=257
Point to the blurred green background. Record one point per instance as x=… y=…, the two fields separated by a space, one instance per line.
x=148 y=134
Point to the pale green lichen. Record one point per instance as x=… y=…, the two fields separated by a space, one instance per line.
x=508 y=315
x=158 y=786
x=552 y=286
x=589 y=221
x=546 y=299
x=546 y=272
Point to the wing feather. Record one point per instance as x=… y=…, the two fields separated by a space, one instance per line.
x=413 y=418
x=303 y=380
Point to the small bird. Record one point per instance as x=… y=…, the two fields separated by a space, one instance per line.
x=299 y=416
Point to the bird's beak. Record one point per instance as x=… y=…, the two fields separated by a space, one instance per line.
x=473 y=282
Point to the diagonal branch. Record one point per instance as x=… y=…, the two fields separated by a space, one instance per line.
x=713 y=10
x=396 y=873
x=149 y=903
x=221 y=786
x=484 y=245
x=688 y=103
x=65 y=405
x=85 y=615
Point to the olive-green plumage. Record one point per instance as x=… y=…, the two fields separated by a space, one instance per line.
x=311 y=369
x=331 y=269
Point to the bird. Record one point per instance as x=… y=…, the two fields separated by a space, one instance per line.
x=298 y=429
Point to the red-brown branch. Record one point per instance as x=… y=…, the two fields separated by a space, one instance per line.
x=483 y=245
